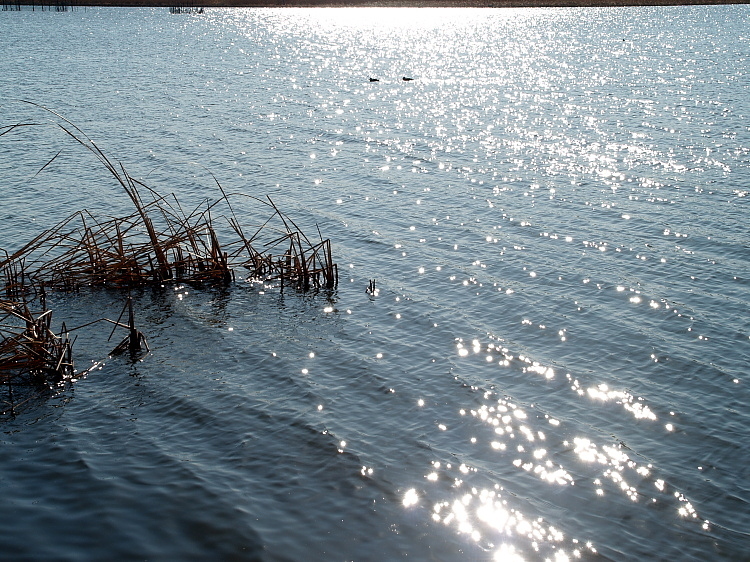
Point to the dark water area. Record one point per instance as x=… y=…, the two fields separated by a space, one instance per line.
x=554 y=365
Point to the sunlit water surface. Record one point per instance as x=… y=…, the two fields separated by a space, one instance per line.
x=554 y=211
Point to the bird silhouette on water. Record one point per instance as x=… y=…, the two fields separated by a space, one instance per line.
x=374 y=79
x=405 y=79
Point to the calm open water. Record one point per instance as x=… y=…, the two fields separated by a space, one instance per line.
x=555 y=211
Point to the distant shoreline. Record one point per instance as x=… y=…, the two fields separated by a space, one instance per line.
x=187 y=4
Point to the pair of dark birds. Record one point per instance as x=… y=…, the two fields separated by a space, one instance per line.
x=405 y=79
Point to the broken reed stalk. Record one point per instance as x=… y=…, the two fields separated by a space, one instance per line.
x=135 y=341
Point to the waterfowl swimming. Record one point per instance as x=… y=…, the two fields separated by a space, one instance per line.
x=374 y=79
x=405 y=79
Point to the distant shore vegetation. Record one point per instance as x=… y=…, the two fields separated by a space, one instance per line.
x=196 y=5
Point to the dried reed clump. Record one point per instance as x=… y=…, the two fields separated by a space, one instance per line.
x=129 y=252
x=31 y=355
x=160 y=242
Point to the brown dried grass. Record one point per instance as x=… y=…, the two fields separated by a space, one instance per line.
x=131 y=251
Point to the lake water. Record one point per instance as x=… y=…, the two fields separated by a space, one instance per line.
x=554 y=211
